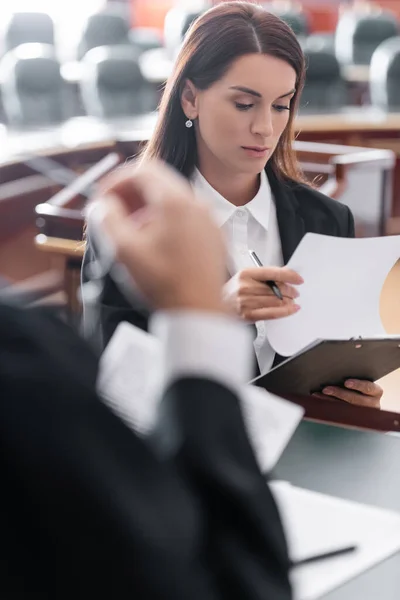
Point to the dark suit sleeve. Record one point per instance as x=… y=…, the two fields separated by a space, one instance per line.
x=104 y=310
x=88 y=509
x=201 y=425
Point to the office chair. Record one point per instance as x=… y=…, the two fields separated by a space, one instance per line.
x=28 y=27
x=324 y=87
x=105 y=28
x=32 y=86
x=113 y=86
x=359 y=35
x=292 y=15
x=385 y=75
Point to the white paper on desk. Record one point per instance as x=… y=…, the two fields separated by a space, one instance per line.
x=315 y=523
x=130 y=378
x=339 y=299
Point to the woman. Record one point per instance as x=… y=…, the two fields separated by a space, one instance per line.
x=226 y=123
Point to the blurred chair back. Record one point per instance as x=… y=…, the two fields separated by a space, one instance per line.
x=385 y=75
x=32 y=86
x=28 y=27
x=359 y=35
x=105 y=28
x=325 y=88
x=293 y=16
x=113 y=86
x=176 y=24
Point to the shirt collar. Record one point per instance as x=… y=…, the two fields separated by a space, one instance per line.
x=259 y=206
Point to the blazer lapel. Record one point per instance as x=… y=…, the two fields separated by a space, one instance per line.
x=290 y=222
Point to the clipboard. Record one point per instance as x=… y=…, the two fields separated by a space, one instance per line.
x=337 y=360
x=331 y=362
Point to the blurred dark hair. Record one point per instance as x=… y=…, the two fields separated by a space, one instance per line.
x=217 y=38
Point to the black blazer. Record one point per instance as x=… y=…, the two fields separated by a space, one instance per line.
x=300 y=209
x=90 y=510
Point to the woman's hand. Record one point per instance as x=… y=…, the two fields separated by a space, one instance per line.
x=355 y=391
x=251 y=298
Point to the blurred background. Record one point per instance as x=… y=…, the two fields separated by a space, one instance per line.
x=79 y=89
x=58 y=60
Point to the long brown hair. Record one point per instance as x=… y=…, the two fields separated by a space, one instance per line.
x=212 y=43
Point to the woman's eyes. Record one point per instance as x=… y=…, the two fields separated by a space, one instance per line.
x=240 y=106
x=280 y=107
x=277 y=107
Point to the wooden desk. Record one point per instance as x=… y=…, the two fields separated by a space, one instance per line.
x=345 y=172
x=83 y=141
x=369 y=128
x=70 y=254
x=356 y=121
x=343 y=127
x=356 y=465
x=69 y=248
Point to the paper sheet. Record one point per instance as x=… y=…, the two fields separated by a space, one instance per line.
x=315 y=523
x=129 y=381
x=339 y=299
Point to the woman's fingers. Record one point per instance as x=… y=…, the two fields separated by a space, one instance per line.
x=265 y=314
x=350 y=397
x=261 y=289
x=256 y=302
x=277 y=274
x=271 y=312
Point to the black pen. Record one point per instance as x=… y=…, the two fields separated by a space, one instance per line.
x=269 y=283
x=332 y=554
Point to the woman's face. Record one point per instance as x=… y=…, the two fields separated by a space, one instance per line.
x=241 y=117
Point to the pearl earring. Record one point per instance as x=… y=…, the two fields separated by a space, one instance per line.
x=189 y=123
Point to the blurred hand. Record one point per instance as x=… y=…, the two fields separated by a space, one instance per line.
x=253 y=300
x=167 y=240
x=362 y=393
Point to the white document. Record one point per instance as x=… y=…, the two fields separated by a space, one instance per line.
x=315 y=523
x=339 y=298
x=129 y=382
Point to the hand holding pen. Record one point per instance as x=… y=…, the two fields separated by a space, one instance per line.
x=262 y=293
x=271 y=284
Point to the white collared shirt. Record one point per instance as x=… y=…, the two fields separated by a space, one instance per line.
x=253 y=226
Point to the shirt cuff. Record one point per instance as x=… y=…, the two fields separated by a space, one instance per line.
x=199 y=344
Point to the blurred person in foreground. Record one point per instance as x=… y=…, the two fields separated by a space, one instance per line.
x=91 y=510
